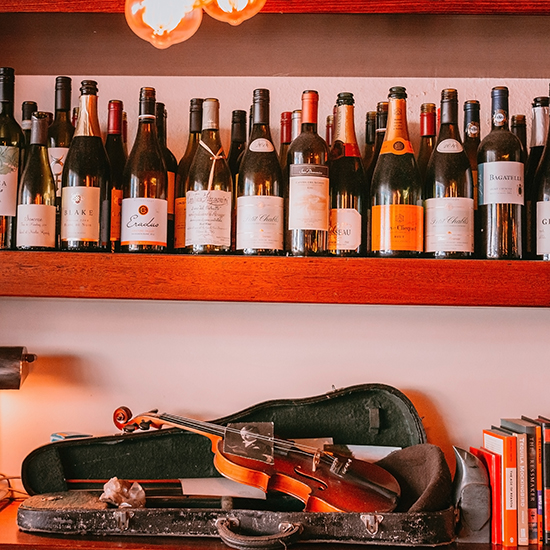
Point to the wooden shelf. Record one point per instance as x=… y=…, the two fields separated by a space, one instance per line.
x=268 y=279
x=525 y=7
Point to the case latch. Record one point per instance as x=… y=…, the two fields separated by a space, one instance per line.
x=372 y=521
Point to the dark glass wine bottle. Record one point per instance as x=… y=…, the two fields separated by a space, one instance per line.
x=171 y=171
x=500 y=185
x=397 y=214
x=329 y=133
x=195 y=126
x=209 y=190
x=85 y=201
x=370 y=137
x=238 y=142
x=117 y=158
x=427 y=137
x=539 y=133
x=125 y=131
x=61 y=132
x=286 y=137
x=448 y=189
x=307 y=206
x=144 y=215
x=36 y=210
x=12 y=143
x=518 y=127
x=347 y=184
x=260 y=220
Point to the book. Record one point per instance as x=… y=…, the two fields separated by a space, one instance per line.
x=492 y=464
x=521 y=426
x=545 y=425
x=539 y=467
x=504 y=444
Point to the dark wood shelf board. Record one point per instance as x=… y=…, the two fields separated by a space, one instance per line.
x=525 y=7
x=268 y=279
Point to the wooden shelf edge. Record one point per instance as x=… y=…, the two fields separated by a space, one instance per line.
x=234 y=278
x=466 y=7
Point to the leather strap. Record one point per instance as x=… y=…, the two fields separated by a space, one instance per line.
x=288 y=533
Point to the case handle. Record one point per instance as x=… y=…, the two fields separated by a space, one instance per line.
x=288 y=533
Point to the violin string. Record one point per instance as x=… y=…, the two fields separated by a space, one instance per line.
x=221 y=430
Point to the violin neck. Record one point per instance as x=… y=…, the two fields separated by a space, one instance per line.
x=212 y=431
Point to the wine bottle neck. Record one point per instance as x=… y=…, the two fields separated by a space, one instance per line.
x=471 y=123
x=87 y=123
x=260 y=130
x=6 y=108
x=397 y=120
x=427 y=124
x=39 y=130
x=499 y=110
x=370 y=128
x=539 y=126
x=286 y=126
x=345 y=125
x=114 y=121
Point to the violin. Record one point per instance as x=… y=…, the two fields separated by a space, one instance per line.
x=323 y=481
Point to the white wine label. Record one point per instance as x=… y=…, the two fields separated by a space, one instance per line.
x=449 y=224
x=35 y=226
x=9 y=175
x=261 y=145
x=171 y=191
x=500 y=182
x=449 y=146
x=543 y=227
x=179 y=223
x=344 y=229
x=308 y=197
x=144 y=221
x=80 y=214
x=208 y=218
x=57 y=156
x=260 y=222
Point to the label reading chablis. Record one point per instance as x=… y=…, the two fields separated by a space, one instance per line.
x=9 y=167
x=397 y=146
x=500 y=182
x=144 y=221
x=397 y=227
x=308 y=197
x=450 y=224
x=260 y=222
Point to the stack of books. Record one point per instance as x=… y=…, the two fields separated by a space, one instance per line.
x=517 y=457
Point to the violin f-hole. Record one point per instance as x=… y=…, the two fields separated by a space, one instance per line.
x=322 y=484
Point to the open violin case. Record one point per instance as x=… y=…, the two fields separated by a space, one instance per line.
x=66 y=478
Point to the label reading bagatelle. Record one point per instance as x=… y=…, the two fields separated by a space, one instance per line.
x=260 y=222
x=308 y=197
x=57 y=156
x=261 y=145
x=179 y=223
x=449 y=224
x=35 y=226
x=208 y=218
x=9 y=167
x=449 y=146
x=143 y=221
x=543 y=227
x=344 y=229
x=500 y=182
x=80 y=214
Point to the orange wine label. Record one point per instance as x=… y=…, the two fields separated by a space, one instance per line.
x=397 y=146
x=116 y=208
x=398 y=227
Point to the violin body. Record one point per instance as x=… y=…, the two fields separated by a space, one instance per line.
x=324 y=482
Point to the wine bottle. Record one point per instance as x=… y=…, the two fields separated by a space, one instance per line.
x=539 y=132
x=209 y=190
x=171 y=170
x=286 y=137
x=117 y=158
x=27 y=109
x=144 y=215
x=12 y=143
x=238 y=142
x=397 y=214
x=125 y=131
x=370 y=136
x=329 y=133
x=347 y=184
x=296 y=125
x=448 y=190
x=85 y=201
x=500 y=185
x=427 y=137
x=260 y=220
x=36 y=210
x=307 y=207
x=518 y=127
x=195 y=125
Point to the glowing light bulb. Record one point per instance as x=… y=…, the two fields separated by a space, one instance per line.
x=233 y=12
x=164 y=22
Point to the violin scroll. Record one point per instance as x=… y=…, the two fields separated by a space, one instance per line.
x=123 y=420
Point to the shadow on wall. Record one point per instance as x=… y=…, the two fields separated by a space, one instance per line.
x=69 y=371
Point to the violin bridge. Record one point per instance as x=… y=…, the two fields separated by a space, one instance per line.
x=316 y=459
x=340 y=467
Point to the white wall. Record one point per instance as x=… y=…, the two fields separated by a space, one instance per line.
x=463 y=368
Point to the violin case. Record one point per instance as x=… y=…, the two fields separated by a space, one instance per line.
x=65 y=479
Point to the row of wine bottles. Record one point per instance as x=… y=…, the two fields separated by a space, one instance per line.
x=313 y=197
